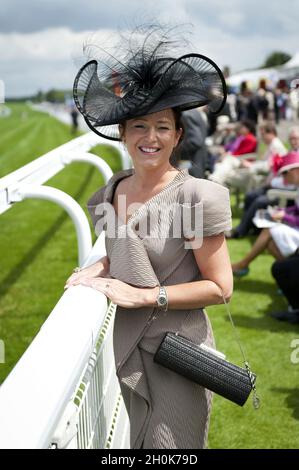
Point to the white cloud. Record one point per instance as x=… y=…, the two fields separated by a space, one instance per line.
x=44 y=59
x=232 y=19
x=240 y=35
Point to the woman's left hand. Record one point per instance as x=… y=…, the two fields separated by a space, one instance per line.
x=118 y=292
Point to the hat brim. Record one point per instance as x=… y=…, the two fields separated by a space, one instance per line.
x=191 y=81
x=286 y=168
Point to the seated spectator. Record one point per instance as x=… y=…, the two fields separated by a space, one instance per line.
x=274 y=146
x=257 y=199
x=253 y=174
x=245 y=144
x=285 y=273
x=282 y=240
x=294 y=137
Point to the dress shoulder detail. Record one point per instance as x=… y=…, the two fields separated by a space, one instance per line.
x=213 y=199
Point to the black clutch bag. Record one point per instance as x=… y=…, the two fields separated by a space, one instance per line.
x=206 y=367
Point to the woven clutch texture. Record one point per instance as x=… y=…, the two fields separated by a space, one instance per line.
x=205 y=368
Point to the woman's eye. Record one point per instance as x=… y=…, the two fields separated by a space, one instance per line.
x=139 y=126
x=164 y=128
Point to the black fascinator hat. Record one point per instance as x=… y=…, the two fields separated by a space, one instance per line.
x=108 y=91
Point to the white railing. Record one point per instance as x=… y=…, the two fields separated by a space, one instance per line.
x=283 y=195
x=27 y=182
x=64 y=392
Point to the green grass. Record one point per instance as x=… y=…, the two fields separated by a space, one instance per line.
x=267 y=343
x=39 y=250
x=37 y=238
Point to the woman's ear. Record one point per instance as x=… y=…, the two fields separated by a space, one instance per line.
x=179 y=136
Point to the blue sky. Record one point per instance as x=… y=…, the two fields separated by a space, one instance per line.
x=41 y=40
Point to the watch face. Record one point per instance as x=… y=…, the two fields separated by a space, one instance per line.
x=162 y=300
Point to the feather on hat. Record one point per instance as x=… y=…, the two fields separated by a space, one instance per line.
x=108 y=91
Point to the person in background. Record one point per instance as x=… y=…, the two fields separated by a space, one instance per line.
x=245 y=144
x=252 y=174
x=74 y=117
x=294 y=137
x=294 y=102
x=262 y=101
x=248 y=142
x=281 y=240
x=258 y=199
x=246 y=104
x=193 y=147
x=286 y=275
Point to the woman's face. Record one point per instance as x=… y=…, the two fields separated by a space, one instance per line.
x=292 y=176
x=294 y=140
x=151 y=139
x=244 y=130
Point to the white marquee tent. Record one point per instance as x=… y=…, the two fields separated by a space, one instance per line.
x=289 y=70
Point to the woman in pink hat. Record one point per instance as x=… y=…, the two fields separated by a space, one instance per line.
x=281 y=240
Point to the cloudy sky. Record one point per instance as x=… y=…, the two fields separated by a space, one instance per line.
x=41 y=40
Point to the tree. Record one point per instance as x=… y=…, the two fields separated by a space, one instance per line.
x=276 y=58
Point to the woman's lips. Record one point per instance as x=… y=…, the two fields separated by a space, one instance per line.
x=149 y=150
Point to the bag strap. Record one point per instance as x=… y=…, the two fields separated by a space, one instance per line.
x=255 y=398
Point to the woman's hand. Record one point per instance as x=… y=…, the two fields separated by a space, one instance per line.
x=101 y=268
x=119 y=292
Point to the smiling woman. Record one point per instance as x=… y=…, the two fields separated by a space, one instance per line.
x=160 y=283
x=152 y=135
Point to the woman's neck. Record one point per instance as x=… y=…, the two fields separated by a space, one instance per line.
x=145 y=180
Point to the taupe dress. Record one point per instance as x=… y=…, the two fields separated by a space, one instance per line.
x=166 y=410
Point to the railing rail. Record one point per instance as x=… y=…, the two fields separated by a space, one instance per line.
x=27 y=182
x=64 y=392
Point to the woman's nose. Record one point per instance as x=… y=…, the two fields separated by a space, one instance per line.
x=151 y=134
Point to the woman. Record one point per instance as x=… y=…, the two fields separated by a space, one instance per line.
x=152 y=273
x=230 y=164
x=282 y=240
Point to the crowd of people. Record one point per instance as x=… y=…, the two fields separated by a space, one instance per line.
x=242 y=150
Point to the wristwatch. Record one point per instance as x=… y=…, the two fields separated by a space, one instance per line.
x=162 y=299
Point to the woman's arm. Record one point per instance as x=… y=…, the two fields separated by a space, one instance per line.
x=215 y=267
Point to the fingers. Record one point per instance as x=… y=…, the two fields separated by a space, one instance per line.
x=100 y=283
x=74 y=278
x=74 y=281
